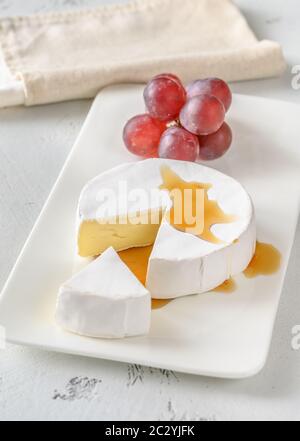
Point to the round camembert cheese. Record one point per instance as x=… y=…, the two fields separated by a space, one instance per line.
x=181 y=263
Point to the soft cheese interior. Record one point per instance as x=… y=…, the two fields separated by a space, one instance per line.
x=180 y=263
x=106 y=203
x=104 y=300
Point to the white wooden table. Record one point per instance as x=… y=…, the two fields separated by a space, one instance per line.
x=36 y=385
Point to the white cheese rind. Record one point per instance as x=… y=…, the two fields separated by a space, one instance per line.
x=144 y=175
x=104 y=300
x=171 y=276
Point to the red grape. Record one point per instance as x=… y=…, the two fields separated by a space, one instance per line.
x=211 y=86
x=216 y=145
x=170 y=77
x=177 y=143
x=202 y=115
x=164 y=97
x=142 y=135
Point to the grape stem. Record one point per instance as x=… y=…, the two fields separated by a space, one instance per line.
x=175 y=123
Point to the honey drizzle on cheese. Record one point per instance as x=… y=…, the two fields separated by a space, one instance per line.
x=212 y=214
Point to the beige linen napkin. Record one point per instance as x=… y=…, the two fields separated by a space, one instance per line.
x=63 y=56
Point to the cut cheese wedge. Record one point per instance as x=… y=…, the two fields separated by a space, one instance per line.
x=181 y=263
x=104 y=300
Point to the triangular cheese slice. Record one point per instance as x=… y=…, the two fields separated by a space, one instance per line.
x=104 y=300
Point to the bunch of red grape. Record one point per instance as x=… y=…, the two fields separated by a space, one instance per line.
x=184 y=124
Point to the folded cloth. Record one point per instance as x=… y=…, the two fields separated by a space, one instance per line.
x=71 y=55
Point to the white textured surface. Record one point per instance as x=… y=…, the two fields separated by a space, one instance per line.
x=37 y=385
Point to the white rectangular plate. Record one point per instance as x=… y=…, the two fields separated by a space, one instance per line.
x=210 y=334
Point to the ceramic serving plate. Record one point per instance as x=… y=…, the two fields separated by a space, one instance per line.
x=213 y=334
